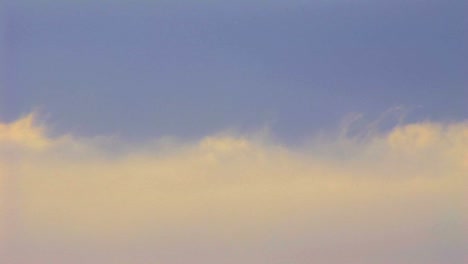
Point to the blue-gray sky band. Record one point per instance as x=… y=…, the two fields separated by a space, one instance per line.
x=183 y=68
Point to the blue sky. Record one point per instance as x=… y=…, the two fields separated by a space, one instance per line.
x=183 y=68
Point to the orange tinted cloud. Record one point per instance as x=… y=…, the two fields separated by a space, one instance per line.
x=395 y=196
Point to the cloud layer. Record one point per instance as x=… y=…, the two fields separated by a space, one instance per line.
x=393 y=197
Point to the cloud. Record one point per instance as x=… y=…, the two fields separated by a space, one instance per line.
x=393 y=197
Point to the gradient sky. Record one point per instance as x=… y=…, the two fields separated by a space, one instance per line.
x=253 y=132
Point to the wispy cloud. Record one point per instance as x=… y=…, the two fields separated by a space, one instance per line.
x=393 y=197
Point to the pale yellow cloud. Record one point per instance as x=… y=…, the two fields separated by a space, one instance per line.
x=24 y=132
x=404 y=192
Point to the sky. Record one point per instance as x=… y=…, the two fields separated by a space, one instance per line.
x=234 y=131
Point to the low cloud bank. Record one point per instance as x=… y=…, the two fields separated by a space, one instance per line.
x=393 y=197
